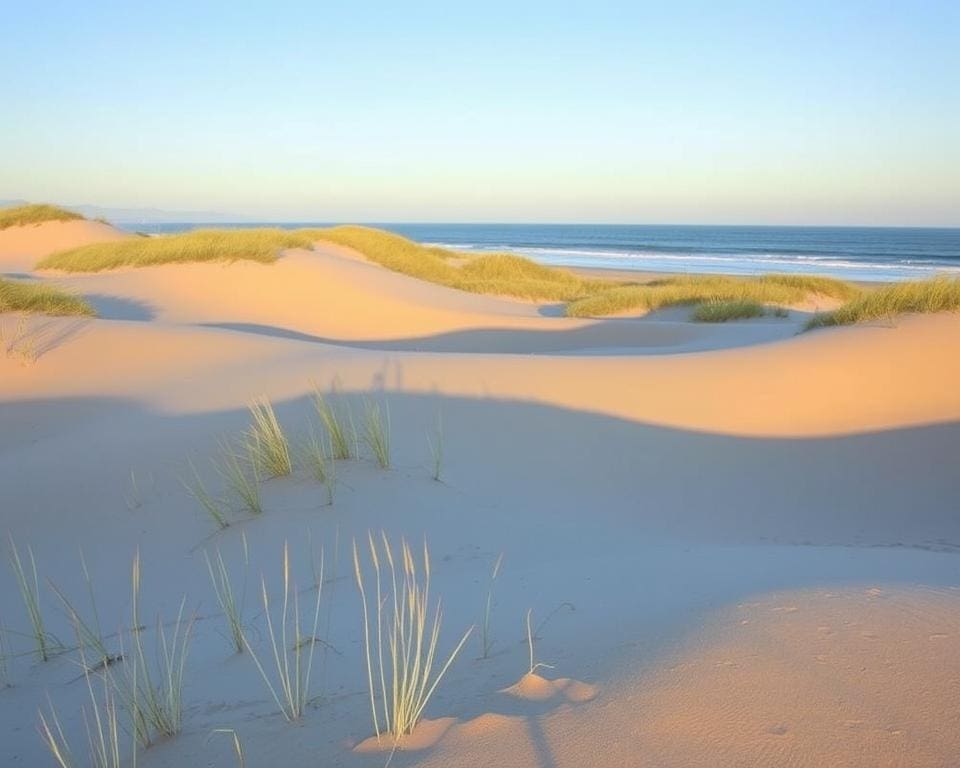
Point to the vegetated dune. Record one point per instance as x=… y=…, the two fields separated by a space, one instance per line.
x=22 y=246
x=330 y=294
x=737 y=556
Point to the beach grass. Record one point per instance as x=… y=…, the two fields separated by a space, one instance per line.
x=701 y=289
x=268 y=446
x=227 y=599
x=318 y=459
x=213 y=506
x=202 y=245
x=722 y=311
x=26 y=215
x=939 y=294
x=28 y=584
x=376 y=432
x=240 y=471
x=154 y=700
x=400 y=665
x=494 y=273
x=343 y=445
x=288 y=645
x=42 y=299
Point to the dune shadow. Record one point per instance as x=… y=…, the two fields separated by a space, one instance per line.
x=118 y=308
x=607 y=337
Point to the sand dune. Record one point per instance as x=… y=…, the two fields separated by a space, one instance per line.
x=739 y=545
x=22 y=247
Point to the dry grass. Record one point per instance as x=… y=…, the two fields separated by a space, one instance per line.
x=42 y=299
x=674 y=291
x=941 y=294
x=25 y=215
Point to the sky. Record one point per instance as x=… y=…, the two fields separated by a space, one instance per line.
x=760 y=112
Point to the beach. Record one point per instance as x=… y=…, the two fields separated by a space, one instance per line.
x=671 y=543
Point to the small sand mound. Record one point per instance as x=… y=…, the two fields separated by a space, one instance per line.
x=533 y=687
x=425 y=735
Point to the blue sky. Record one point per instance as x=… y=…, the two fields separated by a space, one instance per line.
x=735 y=112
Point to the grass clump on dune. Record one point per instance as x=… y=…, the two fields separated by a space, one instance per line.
x=401 y=655
x=674 y=291
x=722 y=311
x=494 y=273
x=219 y=245
x=37 y=298
x=268 y=447
x=24 y=215
x=941 y=294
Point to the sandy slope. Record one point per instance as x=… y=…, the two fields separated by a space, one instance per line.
x=745 y=555
x=22 y=247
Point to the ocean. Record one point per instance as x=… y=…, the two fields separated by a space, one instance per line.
x=852 y=253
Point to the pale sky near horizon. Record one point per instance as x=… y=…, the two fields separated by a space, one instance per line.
x=681 y=112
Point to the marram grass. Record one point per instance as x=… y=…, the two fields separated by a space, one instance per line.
x=268 y=446
x=291 y=650
x=400 y=645
x=674 y=291
x=25 y=215
x=39 y=298
x=722 y=311
x=940 y=294
x=494 y=273
x=201 y=245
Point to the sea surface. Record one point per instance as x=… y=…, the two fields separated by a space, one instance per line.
x=852 y=253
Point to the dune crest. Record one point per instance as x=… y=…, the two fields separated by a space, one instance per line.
x=22 y=247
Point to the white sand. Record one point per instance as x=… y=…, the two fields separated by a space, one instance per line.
x=744 y=541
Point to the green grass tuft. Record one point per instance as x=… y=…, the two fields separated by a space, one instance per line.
x=376 y=432
x=24 y=215
x=940 y=294
x=268 y=446
x=38 y=298
x=722 y=311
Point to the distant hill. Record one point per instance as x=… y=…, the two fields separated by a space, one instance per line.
x=139 y=215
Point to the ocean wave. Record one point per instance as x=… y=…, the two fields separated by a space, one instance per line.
x=736 y=262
